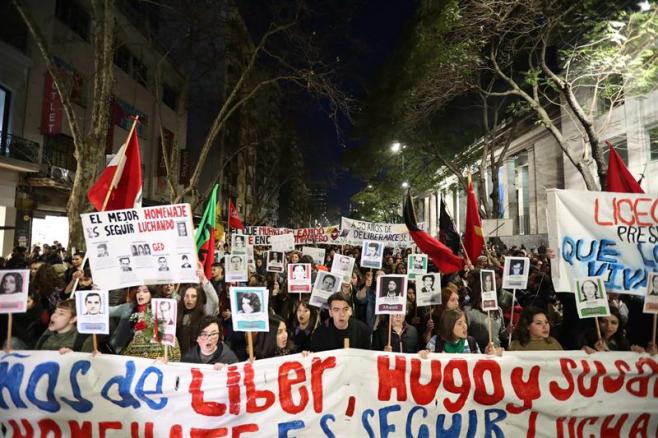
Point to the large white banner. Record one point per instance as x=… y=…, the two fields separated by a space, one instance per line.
x=354 y=232
x=531 y=394
x=152 y=245
x=612 y=235
x=261 y=236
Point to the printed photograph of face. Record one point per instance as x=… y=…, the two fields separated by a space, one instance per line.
x=93 y=304
x=516 y=267
x=487 y=280
x=653 y=286
x=390 y=287
x=238 y=243
x=166 y=313
x=428 y=283
x=125 y=264
x=236 y=263
x=274 y=257
x=101 y=250
x=589 y=291
x=299 y=272
x=418 y=263
x=327 y=282
x=182 y=229
x=249 y=302
x=11 y=283
x=373 y=249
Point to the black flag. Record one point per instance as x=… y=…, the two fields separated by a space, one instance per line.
x=447 y=234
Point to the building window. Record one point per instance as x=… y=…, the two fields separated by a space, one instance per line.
x=653 y=142
x=74 y=16
x=13 y=30
x=131 y=64
x=140 y=72
x=169 y=97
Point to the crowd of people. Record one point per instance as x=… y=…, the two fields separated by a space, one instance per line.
x=542 y=319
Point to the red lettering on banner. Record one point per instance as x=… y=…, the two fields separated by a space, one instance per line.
x=48 y=426
x=148 y=430
x=526 y=390
x=640 y=426
x=629 y=212
x=424 y=393
x=600 y=371
x=29 y=431
x=390 y=379
x=611 y=384
x=253 y=394
x=614 y=430
x=584 y=422
x=618 y=208
x=80 y=431
x=596 y=214
x=285 y=387
x=176 y=431
x=233 y=383
x=104 y=426
x=481 y=396
x=639 y=214
x=237 y=431
x=563 y=393
x=461 y=366
x=532 y=425
x=319 y=366
x=653 y=366
x=212 y=409
x=208 y=433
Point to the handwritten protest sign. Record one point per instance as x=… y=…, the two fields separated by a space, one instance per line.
x=606 y=234
x=341 y=393
x=152 y=245
x=354 y=232
x=261 y=236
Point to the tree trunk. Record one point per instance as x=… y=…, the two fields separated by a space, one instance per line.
x=482 y=191
x=495 y=187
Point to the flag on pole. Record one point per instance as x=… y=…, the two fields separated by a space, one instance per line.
x=447 y=233
x=234 y=220
x=119 y=186
x=205 y=234
x=473 y=235
x=619 y=177
x=440 y=254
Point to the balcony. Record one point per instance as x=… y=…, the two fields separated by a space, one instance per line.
x=18 y=153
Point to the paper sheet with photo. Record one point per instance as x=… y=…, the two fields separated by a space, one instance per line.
x=428 y=289
x=236 y=267
x=283 y=242
x=92 y=309
x=164 y=311
x=151 y=245
x=14 y=286
x=651 y=295
x=515 y=272
x=343 y=265
x=299 y=277
x=326 y=284
x=591 y=297
x=416 y=265
x=317 y=254
x=488 y=290
x=239 y=244
x=391 y=296
x=249 y=309
x=275 y=261
x=371 y=254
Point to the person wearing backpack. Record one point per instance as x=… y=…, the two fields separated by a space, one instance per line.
x=62 y=334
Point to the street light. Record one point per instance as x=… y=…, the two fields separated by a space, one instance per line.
x=405 y=185
x=395 y=147
x=645 y=6
x=370 y=186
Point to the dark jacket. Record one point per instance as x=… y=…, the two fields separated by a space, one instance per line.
x=406 y=343
x=223 y=354
x=328 y=337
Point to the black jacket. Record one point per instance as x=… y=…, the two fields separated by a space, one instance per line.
x=328 y=337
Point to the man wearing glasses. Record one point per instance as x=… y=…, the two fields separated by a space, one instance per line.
x=210 y=348
x=340 y=326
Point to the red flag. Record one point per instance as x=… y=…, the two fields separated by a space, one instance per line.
x=234 y=220
x=473 y=235
x=440 y=254
x=122 y=178
x=619 y=178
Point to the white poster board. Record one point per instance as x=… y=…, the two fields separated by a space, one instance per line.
x=299 y=277
x=591 y=297
x=515 y=272
x=428 y=289
x=238 y=244
x=488 y=289
x=416 y=265
x=283 y=242
x=14 y=285
x=326 y=284
x=391 y=298
x=317 y=254
x=343 y=265
x=249 y=309
x=275 y=261
x=92 y=309
x=164 y=312
x=371 y=254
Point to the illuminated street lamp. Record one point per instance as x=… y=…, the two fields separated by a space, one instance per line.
x=405 y=185
x=395 y=147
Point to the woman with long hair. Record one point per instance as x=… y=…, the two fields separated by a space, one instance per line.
x=305 y=322
x=191 y=309
x=449 y=300
x=613 y=335
x=478 y=318
x=533 y=332
x=453 y=336
x=275 y=342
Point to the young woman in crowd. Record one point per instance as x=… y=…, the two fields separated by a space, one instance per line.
x=191 y=309
x=210 y=348
x=49 y=286
x=449 y=301
x=613 y=336
x=305 y=322
x=27 y=327
x=533 y=332
x=453 y=336
x=478 y=318
x=404 y=337
x=275 y=342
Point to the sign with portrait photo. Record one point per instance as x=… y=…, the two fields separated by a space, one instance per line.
x=515 y=272
x=488 y=290
x=236 y=267
x=651 y=297
x=249 y=309
x=275 y=260
x=283 y=242
x=391 y=298
x=343 y=265
x=238 y=244
x=317 y=254
x=591 y=297
x=151 y=245
x=371 y=254
x=428 y=290
x=299 y=277
x=416 y=265
x=164 y=311
x=326 y=284
x=92 y=309
x=13 y=290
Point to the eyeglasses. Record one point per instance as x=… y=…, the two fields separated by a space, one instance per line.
x=204 y=335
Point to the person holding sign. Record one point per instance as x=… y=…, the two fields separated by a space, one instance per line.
x=210 y=348
x=340 y=326
x=403 y=336
x=478 y=315
x=453 y=337
x=533 y=332
x=62 y=334
x=612 y=335
x=275 y=342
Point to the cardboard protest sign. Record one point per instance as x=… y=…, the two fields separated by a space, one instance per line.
x=651 y=297
x=249 y=309
x=416 y=265
x=343 y=265
x=488 y=289
x=391 y=295
x=299 y=277
x=236 y=267
x=515 y=272
x=371 y=254
x=92 y=309
x=354 y=232
x=275 y=261
x=13 y=290
x=325 y=285
x=606 y=234
x=283 y=242
x=152 y=245
x=164 y=312
x=183 y=400
x=261 y=236
x=238 y=244
x=591 y=297
x=428 y=290
x=317 y=254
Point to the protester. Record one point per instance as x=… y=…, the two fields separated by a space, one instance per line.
x=275 y=342
x=453 y=336
x=305 y=322
x=613 y=337
x=404 y=337
x=191 y=309
x=62 y=334
x=478 y=318
x=333 y=332
x=449 y=301
x=27 y=327
x=209 y=348
x=533 y=331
